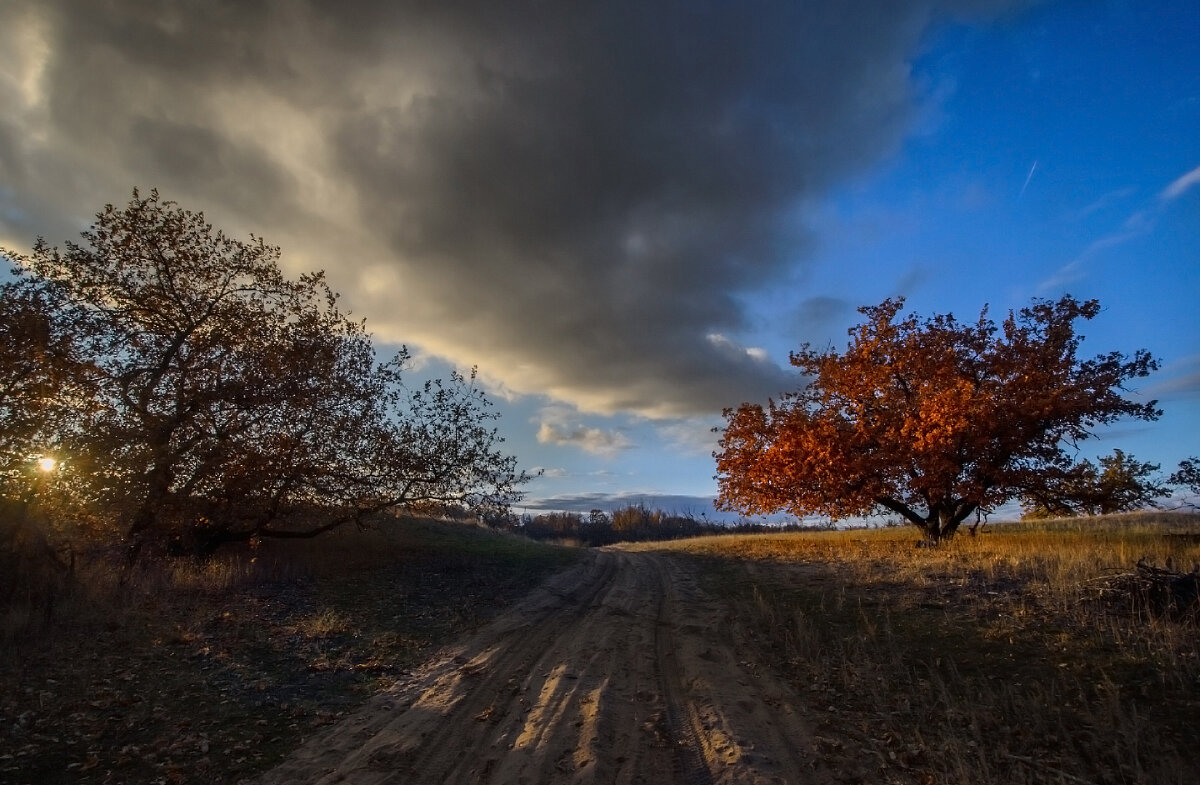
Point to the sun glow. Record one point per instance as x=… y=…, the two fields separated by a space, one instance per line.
x=47 y=464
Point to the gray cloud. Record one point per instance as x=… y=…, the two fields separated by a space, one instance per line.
x=821 y=319
x=570 y=195
x=1180 y=381
x=594 y=440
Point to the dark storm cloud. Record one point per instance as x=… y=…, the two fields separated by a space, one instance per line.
x=184 y=153
x=578 y=197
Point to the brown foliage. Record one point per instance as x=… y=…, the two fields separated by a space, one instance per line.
x=1120 y=484
x=226 y=402
x=932 y=419
x=44 y=379
x=1187 y=475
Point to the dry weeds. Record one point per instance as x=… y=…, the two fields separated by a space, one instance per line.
x=992 y=659
x=209 y=674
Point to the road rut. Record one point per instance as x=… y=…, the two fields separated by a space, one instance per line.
x=620 y=670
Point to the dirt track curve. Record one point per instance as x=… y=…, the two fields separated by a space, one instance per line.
x=620 y=670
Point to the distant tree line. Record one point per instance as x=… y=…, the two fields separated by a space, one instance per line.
x=632 y=523
x=169 y=386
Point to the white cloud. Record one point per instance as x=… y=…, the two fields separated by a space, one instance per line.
x=556 y=427
x=730 y=347
x=1064 y=276
x=1177 y=188
x=693 y=436
x=548 y=473
x=592 y=440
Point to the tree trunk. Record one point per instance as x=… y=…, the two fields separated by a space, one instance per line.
x=146 y=519
x=935 y=530
x=941 y=522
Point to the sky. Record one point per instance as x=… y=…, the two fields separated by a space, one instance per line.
x=626 y=214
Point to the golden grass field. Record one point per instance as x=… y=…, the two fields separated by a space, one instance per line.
x=1015 y=656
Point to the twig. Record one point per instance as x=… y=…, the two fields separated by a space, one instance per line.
x=1049 y=768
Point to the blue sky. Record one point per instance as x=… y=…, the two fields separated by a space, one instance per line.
x=627 y=214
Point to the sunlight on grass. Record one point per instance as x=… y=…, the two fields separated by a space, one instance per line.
x=324 y=624
x=989 y=659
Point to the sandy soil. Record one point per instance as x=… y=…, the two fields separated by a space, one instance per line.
x=621 y=670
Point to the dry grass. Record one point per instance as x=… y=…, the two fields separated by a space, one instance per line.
x=990 y=659
x=210 y=673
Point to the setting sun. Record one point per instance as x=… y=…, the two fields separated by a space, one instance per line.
x=47 y=464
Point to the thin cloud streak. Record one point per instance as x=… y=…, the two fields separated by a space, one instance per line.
x=1178 y=381
x=1064 y=276
x=1028 y=177
x=1181 y=185
x=1137 y=224
x=1104 y=202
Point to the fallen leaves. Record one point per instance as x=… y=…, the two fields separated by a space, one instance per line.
x=213 y=687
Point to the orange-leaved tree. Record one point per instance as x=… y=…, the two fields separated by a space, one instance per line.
x=932 y=419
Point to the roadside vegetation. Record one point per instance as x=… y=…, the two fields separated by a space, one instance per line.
x=168 y=387
x=1034 y=652
x=631 y=523
x=212 y=672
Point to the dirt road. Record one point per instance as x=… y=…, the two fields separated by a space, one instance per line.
x=621 y=670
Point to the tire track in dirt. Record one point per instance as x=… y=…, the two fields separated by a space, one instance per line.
x=620 y=670
x=694 y=754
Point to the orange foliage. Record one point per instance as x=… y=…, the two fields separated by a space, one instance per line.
x=932 y=419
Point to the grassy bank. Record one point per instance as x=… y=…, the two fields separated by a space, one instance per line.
x=211 y=673
x=1017 y=656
